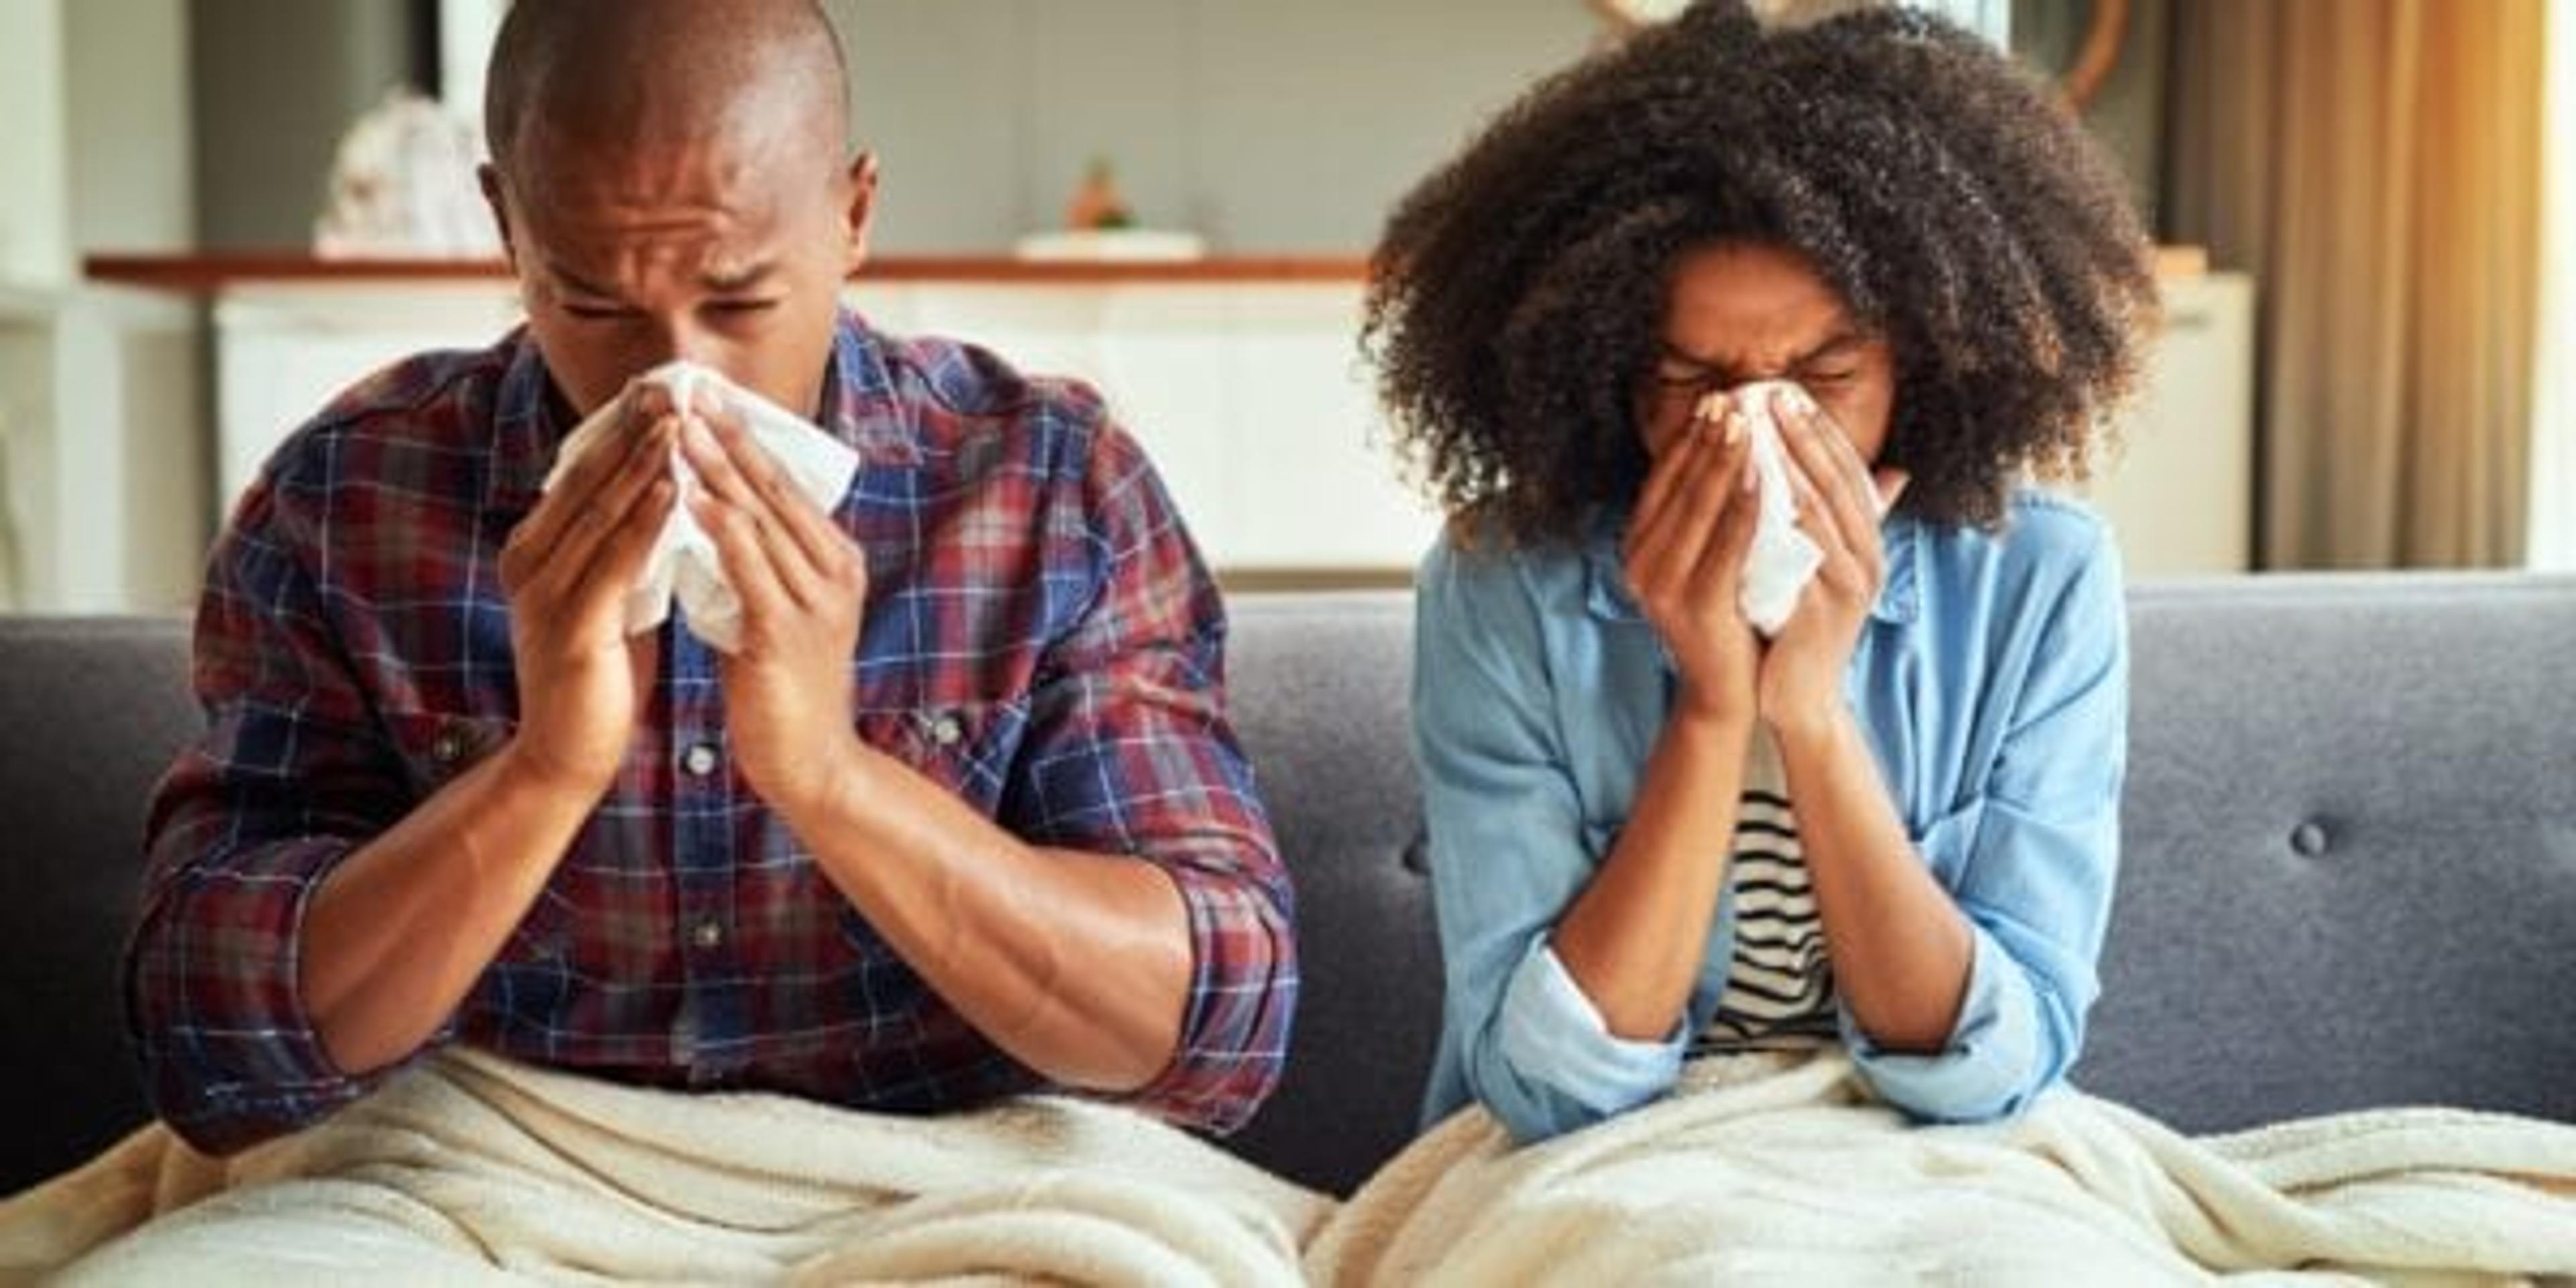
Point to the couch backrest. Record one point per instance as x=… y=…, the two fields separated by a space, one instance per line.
x=96 y=709
x=2350 y=851
x=1319 y=685
x=2349 y=874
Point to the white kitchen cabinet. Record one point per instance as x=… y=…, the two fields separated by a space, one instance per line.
x=1252 y=399
x=283 y=351
x=1248 y=396
x=2180 y=493
x=102 y=468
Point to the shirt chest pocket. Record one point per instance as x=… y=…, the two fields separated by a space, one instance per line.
x=966 y=748
x=434 y=747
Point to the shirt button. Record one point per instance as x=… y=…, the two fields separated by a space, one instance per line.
x=707 y=934
x=2309 y=839
x=945 y=731
x=699 y=760
x=451 y=744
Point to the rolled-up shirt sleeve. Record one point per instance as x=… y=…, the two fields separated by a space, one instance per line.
x=289 y=778
x=2034 y=853
x=1508 y=855
x=1129 y=751
x=1551 y=1033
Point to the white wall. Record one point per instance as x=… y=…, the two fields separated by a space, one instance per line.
x=1267 y=127
x=35 y=242
x=103 y=480
x=131 y=137
x=272 y=86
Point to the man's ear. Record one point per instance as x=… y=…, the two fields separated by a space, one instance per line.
x=490 y=177
x=860 y=218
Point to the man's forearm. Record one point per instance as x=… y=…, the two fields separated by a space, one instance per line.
x=400 y=931
x=1079 y=965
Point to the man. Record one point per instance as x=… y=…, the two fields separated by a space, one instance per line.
x=962 y=816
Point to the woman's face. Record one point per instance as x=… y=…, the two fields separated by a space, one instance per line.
x=1737 y=312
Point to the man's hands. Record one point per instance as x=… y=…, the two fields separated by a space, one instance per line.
x=568 y=566
x=566 y=570
x=803 y=584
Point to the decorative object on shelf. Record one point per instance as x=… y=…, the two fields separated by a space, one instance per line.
x=1099 y=225
x=1627 y=15
x=403 y=186
x=1096 y=205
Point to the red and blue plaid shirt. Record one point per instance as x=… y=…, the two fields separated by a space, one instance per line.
x=1041 y=639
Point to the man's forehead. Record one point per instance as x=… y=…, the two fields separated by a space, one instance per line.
x=732 y=167
x=599 y=265
x=678 y=69
x=725 y=205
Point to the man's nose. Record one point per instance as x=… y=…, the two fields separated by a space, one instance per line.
x=678 y=338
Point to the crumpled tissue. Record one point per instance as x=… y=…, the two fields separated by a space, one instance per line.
x=684 y=564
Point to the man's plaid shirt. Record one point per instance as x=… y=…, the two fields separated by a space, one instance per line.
x=1041 y=639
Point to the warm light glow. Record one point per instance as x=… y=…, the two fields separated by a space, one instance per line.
x=2553 y=454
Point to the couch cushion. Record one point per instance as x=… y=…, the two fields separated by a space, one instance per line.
x=2349 y=877
x=95 y=710
x=1319 y=685
x=2350 y=861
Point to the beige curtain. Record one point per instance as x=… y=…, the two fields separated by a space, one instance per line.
x=2376 y=165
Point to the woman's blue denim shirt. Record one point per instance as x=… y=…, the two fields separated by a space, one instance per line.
x=1992 y=683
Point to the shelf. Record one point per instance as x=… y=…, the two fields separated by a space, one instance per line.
x=211 y=273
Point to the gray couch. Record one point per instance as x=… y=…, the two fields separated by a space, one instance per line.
x=2350 y=875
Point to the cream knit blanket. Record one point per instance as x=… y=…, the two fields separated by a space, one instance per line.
x=469 y=1168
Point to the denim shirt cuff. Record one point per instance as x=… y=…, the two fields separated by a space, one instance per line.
x=1984 y=1071
x=1552 y=1034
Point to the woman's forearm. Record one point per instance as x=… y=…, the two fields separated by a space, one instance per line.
x=1636 y=938
x=1900 y=946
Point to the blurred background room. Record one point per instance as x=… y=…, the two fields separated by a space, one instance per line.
x=216 y=213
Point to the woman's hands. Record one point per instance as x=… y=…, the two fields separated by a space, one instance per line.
x=1685 y=550
x=1684 y=559
x=1841 y=503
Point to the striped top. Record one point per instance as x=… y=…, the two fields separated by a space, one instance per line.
x=1780 y=984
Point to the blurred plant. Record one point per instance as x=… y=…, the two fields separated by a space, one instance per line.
x=1096 y=204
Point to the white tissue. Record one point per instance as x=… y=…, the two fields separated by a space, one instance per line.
x=684 y=563
x=1782 y=560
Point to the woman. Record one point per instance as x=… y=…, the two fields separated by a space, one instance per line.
x=1893 y=823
